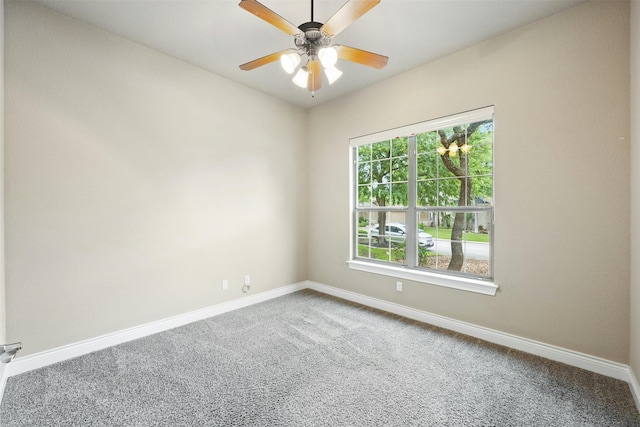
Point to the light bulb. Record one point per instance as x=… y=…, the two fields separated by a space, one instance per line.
x=442 y=150
x=465 y=148
x=332 y=74
x=289 y=61
x=301 y=78
x=328 y=56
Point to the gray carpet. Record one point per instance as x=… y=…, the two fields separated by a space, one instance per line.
x=307 y=359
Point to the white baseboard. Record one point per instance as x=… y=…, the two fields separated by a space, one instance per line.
x=34 y=361
x=3 y=379
x=635 y=387
x=591 y=363
x=559 y=354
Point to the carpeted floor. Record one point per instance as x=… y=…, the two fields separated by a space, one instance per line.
x=307 y=359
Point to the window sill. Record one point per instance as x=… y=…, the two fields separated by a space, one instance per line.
x=463 y=283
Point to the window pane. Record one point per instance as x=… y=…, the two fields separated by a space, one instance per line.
x=381 y=171
x=480 y=133
x=364 y=220
x=381 y=150
x=399 y=196
x=449 y=167
x=427 y=142
x=364 y=153
x=399 y=173
x=427 y=193
x=399 y=147
x=364 y=173
x=380 y=194
x=382 y=236
x=364 y=195
x=427 y=165
x=480 y=159
x=400 y=170
x=448 y=192
x=462 y=241
x=478 y=226
x=481 y=191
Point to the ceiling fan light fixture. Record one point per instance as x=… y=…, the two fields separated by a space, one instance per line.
x=328 y=56
x=313 y=41
x=290 y=61
x=332 y=74
x=301 y=78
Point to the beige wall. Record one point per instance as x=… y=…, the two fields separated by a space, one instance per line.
x=635 y=187
x=561 y=93
x=135 y=183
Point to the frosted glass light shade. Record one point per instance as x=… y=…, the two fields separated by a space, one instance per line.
x=328 y=56
x=289 y=61
x=332 y=74
x=301 y=78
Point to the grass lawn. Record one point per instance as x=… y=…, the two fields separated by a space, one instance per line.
x=397 y=254
x=445 y=233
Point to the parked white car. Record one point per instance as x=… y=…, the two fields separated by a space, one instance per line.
x=397 y=232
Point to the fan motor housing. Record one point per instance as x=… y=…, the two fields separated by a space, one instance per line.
x=310 y=28
x=312 y=38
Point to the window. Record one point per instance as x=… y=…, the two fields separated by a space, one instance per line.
x=422 y=202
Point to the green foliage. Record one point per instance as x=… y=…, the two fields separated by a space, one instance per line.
x=424 y=255
x=437 y=185
x=383 y=172
x=383 y=169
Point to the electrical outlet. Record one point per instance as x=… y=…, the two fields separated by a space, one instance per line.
x=247 y=284
x=399 y=286
x=225 y=285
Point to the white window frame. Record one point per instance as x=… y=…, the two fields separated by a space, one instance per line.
x=485 y=286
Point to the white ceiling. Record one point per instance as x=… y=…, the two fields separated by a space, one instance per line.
x=218 y=36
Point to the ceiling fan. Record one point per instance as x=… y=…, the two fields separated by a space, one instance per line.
x=313 y=43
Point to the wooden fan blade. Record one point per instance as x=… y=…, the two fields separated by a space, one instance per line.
x=360 y=56
x=263 y=61
x=315 y=77
x=264 y=13
x=346 y=15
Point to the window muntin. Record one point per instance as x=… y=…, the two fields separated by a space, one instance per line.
x=438 y=179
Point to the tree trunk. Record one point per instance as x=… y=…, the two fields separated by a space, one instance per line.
x=382 y=226
x=457 y=254
x=382 y=222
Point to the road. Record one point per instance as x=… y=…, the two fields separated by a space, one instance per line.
x=473 y=250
